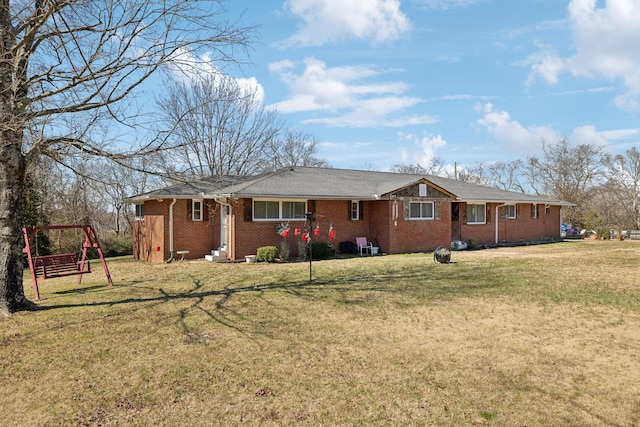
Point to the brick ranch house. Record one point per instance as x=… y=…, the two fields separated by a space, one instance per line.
x=399 y=213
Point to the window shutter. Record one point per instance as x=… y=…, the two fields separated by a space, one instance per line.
x=464 y=214
x=517 y=211
x=248 y=215
x=349 y=210
x=311 y=205
x=436 y=210
x=189 y=210
x=487 y=217
x=205 y=211
x=361 y=210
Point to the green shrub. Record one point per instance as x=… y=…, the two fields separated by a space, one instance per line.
x=603 y=233
x=116 y=246
x=321 y=250
x=267 y=253
x=472 y=244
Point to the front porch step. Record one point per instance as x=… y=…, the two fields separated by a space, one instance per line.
x=217 y=256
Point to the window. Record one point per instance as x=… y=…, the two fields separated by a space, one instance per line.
x=534 y=211
x=509 y=212
x=293 y=210
x=355 y=210
x=196 y=210
x=476 y=214
x=421 y=210
x=139 y=212
x=276 y=210
x=263 y=209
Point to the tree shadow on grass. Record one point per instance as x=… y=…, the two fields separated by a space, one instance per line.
x=410 y=286
x=454 y=285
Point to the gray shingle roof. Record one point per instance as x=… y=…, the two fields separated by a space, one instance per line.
x=189 y=190
x=328 y=183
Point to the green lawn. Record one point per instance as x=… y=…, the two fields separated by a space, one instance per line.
x=543 y=335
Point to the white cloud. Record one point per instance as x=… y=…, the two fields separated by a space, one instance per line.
x=280 y=66
x=188 y=68
x=428 y=146
x=619 y=134
x=330 y=21
x=348 y=94
x=589 y=135
x=606 y=40
x=513 y=136
x=519 y=139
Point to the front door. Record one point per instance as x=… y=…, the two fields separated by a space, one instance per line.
x=223 y=227
x=455 y=221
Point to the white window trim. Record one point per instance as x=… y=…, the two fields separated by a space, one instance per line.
x=194 y=210
x=507 y=214
x=422 y=218
x=357 y=211
x=484 y=207
x=280 y=218
x=139 y=209
x=535 y=211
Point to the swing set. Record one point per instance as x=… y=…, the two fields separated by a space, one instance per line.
x=60 y=265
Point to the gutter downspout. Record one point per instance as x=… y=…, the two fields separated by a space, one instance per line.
x=229 y=223
x=498 y=219
x=173 y=202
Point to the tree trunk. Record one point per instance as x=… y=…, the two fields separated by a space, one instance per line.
x=12 y=203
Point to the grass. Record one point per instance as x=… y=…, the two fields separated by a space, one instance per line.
x=539 y=336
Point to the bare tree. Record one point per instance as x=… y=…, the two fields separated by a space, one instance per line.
x=569 y=173
x=219 y=127
x=502 y=174
x=112 y=183
x=434 y=167
x=69 y=74
x=294 y=148
x=623 y=187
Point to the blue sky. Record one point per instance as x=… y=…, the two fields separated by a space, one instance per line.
x=383 y=82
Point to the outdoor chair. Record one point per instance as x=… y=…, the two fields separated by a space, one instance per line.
x=364 y=245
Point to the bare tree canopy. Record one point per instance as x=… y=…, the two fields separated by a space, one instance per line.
x=434 y=167
x=294 y=148
x=70 y=71
x=218 y=126
x=503 y=174
x=622 y=189
x=569 y=173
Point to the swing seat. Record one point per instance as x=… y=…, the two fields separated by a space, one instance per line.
x=51 y=266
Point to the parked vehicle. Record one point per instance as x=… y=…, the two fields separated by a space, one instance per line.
x=569 y=230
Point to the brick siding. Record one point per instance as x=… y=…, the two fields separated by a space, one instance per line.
x=398 y=235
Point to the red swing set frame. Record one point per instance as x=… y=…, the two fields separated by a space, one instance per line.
x=51 y=266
